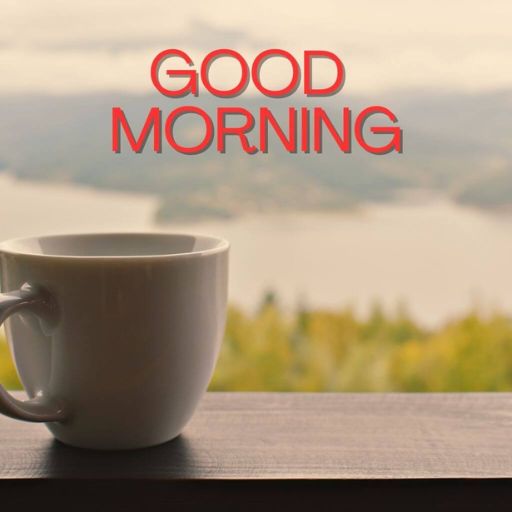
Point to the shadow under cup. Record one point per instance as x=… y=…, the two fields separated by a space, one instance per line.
x=115 y=336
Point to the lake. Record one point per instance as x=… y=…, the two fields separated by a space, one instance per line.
x=437 y=257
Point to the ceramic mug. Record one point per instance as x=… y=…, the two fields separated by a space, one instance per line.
x=114 y=336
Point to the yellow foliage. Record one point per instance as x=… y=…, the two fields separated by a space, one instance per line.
x=468 y=355
x=8 y=375
x=319 y=350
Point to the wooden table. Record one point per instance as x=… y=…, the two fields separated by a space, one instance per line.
x=251 y=451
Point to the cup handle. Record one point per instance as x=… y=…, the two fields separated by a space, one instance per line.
x=39 y=408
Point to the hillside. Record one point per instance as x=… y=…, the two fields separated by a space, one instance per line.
x=457 y=144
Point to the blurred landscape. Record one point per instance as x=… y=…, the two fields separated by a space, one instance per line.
x=388 y=272
x=457 y=147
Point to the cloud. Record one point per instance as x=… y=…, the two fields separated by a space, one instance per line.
x=199 y=35
x=204 y=35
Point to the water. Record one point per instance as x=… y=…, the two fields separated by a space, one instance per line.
x=438 y=258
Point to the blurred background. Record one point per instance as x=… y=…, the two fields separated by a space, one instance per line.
x=349 y=272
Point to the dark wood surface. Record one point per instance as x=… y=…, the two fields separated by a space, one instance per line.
x=249 y=450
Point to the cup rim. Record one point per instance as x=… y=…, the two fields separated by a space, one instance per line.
x=222 y=245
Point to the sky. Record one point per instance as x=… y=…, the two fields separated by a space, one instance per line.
x=63 y=47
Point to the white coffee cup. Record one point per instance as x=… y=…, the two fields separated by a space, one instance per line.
x=116 y=335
